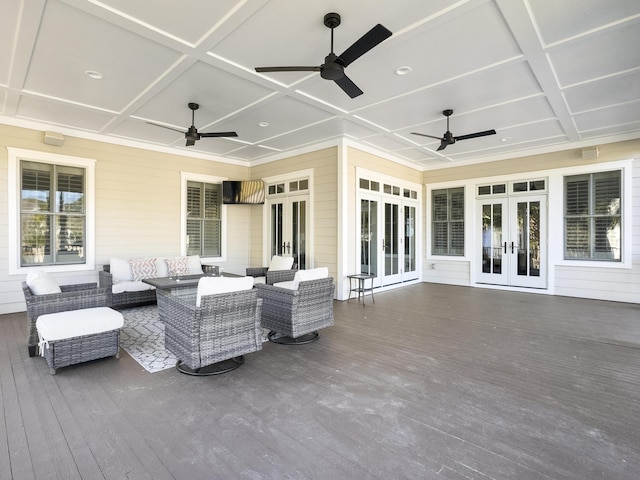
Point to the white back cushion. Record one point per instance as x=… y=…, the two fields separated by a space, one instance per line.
x=194 y=265
x=311 y=274
x=40 y=283
x=216 y=285
x=120 y=269
x=280 y=263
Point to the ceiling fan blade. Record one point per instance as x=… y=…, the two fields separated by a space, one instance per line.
x=164 y=126
x=365 y=43
x=287 y=69
x=219 y=134
x=348 y=86
x=443 y=144
x=476 y=135
x=425 y=135
x=190 y=143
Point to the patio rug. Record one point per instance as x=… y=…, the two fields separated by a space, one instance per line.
x=143 y=338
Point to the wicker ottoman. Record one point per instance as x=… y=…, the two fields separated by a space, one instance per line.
x=77 y=336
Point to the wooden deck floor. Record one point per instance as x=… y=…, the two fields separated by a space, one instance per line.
x=430 y=382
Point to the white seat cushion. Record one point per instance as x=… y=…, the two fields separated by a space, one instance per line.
x=280 y=263
x=130 y=286
x=78 y=323
x=216 y=285
x=288 y=285
x=41 y=283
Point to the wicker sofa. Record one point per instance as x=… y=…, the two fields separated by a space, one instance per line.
x=121 y=277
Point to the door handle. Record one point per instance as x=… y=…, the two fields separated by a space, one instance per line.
x=505 y=247
x=512 y=247
x=288 y=247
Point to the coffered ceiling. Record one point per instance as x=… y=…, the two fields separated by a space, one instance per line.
x=546 y=75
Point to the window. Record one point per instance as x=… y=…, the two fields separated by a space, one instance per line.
x=51 y=211
x=52 y=214
x=447 y=221
x=204 y=219
x=592 y=216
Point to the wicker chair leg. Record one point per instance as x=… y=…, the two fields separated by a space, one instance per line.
x=32 y=350
x=52 y=371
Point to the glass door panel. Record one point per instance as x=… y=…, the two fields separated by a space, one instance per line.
x=369 y=237
x=410 y=270
x=276 y=221
x=298 y=235
x=493 y=246
x=528 y=233
x=391 y=243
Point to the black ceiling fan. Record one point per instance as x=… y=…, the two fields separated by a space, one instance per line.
x=449 y=139
x=192 y=134
x=333 y=66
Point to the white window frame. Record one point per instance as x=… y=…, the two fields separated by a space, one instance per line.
x=186 y=177
x=626 y=168
x=464 y=222
x=15 y=156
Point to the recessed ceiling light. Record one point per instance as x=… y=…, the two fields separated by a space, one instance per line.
x=93 y=74
x=403 y=70
x=505 y=139
x=263 y=124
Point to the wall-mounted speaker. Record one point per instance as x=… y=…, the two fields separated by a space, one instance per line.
x=590 y=153
x=53 y=138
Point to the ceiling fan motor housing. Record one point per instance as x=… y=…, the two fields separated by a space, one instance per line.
x=331 y=70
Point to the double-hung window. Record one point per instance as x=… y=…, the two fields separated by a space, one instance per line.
x=51 y=207
x=52 y=214
x=593 y=216
x=204 y=219
x=447 y=221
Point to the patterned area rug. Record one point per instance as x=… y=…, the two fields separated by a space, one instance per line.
x=143 y=338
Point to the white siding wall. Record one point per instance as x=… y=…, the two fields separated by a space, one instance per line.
x=137 y=205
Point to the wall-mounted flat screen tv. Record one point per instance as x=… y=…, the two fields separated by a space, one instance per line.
x=247 y=192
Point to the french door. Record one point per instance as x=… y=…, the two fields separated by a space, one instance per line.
x=513 y=241
x=288 y=226
x=388 y=240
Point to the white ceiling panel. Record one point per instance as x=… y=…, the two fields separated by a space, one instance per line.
x=219 y=93
x=283 y=115
x=188 y=20
x=603 y=118
x=64 y=115
x=501 y=84
x=71 y=42
x=561 y=20
x=547 y=75
x=621 y=88
x=603 y=53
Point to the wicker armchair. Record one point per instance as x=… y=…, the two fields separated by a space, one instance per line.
x=214 y=337
x=276 y=275
x=294 y=316
x=72 y=297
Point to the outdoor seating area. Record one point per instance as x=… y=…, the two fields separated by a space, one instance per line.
x=210 y=321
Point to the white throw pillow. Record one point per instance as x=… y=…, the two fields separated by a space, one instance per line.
x=40 y=283
x=280 y=263
x=216 y=285
x=194 y=265
x=311 y=274
x=120 y=269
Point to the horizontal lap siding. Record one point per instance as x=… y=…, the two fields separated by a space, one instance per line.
x=137 y=204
